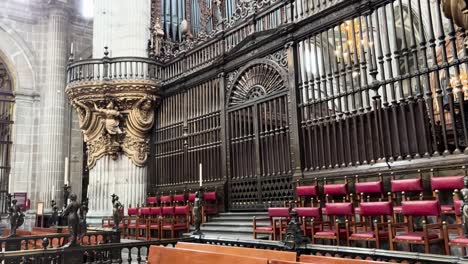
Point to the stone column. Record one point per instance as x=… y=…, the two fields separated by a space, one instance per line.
x=124 y=27
x=52 y=125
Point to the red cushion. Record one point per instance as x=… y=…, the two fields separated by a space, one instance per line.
x=310 y=190
x=407 y=185
x=369 y=187
x=460 y=240
x=155 y=210
x=376 y=208
x=335 y=189
x=145 y=211
x=457 y=206
x=308 y=212
x=357 y=210
x=415 y=236
x=181 y=210
x=264 y=228
x=131 y=226
x=339 y=208
x=166 y=199
x=329 y=232
x=209 y=196
x=421 y=208
x=176 y=226
x=278 y=212
x=211 y=210
x=447 y=183
x=151 y=200
x=446 y=208
x=168 y=210
x=370 y=234
x=397 y=209
x=191 y=197
x=141 y=226
x=132 y=211
x=153 y=226
x=179 y=198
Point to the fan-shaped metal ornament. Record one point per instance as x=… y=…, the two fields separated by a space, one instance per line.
x=256 y=80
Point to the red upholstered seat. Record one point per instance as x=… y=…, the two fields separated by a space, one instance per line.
x=369 y=234
x=176 y=226
x=191 y=197
x=152 y=200
x=460 y=240
x=415 y=236
x=421 y=208
x=339 y=208
x=369 y=187
x=336 y=189
x=330 y=232
x=407 y=185
x=357 y=210
x=278 y=211
x=209 y=196
x=132 y=225
x=179 y=198
x=132 y=211
x=209 y=210
x=166 y=200
x=265 y=228
x=145 y=211
x=310 y=190
x=446 y=208
x=447 y=183
x=397 y=209
x=153 y=226
x=141 y=226
x=155 y=211
x=313 y=212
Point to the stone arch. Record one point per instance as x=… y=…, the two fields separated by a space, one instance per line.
x=258 y=78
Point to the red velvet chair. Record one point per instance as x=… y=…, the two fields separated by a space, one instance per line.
x=166 y=200
x=373 y=223
x=402 y=187
x=210 y=207
x=142 y=223
x=306 y=192
x=460 y=240
x=174 y=219
x=446 y=183
x=131 y=221
x=430 y=234
x=152 y=201
x=335 y=190
x=310 y=219
x=154 y=223
x=179 y=199
x=366 y=191
x=275 y=214
x=335 y=228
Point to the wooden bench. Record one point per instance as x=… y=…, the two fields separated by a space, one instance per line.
x=241 y=251
x=164 y=255
x=333 y=260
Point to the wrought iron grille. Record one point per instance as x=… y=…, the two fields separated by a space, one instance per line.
x=7 y=102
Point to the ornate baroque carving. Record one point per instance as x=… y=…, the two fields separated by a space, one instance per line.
x=280 y=57
x=458 y=11
x=115 y=117
x=256 y=79
x=245 y=8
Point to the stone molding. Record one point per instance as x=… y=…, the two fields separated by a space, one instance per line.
x=115 y=116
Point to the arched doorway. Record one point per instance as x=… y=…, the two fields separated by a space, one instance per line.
x=7 y=101
x=258 y=129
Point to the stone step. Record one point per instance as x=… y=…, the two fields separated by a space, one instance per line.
x=234 y=224
x=249 y=214
x=235 y=218
x=223 y=229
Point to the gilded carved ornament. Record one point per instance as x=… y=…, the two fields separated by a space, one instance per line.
x=116 y=121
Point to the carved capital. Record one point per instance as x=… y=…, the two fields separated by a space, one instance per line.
x=116 y=117
x=456 y=10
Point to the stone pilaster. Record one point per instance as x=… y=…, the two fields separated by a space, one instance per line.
x=52 y=127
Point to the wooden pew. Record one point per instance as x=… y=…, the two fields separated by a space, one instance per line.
x=241 y=251
x=164 y=255
x=333 y=260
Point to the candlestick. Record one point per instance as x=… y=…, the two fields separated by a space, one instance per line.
x=53 y=192
x=71 y=48
x=201 y=178
x=65 y=176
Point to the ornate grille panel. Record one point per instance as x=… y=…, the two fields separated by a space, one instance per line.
x=7 y=103
x=188 y=133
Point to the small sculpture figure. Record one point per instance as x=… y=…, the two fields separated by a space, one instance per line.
x=116 y=211
x=464 y=206
x=55 y=215
x=197 y=212
x=111 y=118
x=16 y=217
x=83 y=212
x=73 y=220
x=66 y=194
x=217 y=15
x=294 y=237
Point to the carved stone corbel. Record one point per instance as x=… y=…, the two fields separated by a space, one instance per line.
x=456 y=10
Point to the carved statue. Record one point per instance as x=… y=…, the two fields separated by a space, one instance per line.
x=66 y=194
x=464 y=206
x=197 y=212
x=116 y=211
x=16 y=217
x=294 y=237
x=456 y=10
x=217 y=14
x=83 y=212
x=111 y=118
x=84 y=114
x=73 y=219
x=55 y=215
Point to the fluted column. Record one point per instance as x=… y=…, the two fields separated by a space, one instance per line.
x=52 y=119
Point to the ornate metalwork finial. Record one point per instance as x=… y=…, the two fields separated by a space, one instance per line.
x=45 y=243
x=106 y=51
